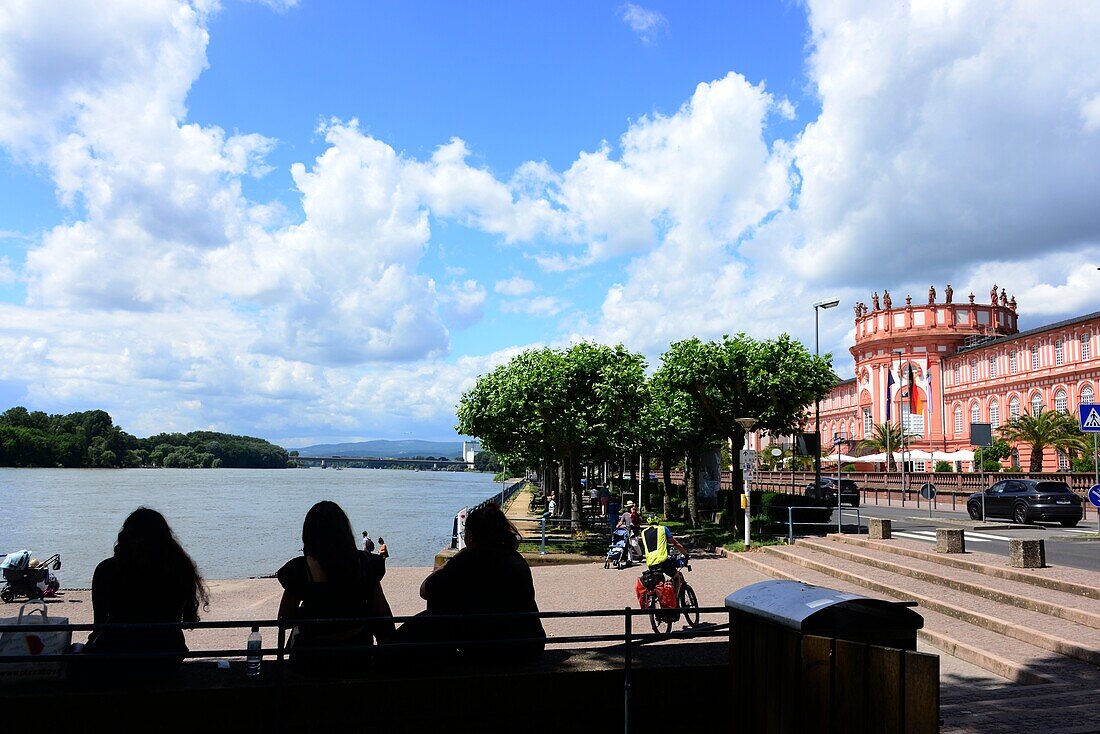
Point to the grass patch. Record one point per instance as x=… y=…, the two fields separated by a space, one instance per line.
x=581 y=546
x=739 y=545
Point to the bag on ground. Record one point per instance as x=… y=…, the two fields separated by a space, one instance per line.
x=46 y=642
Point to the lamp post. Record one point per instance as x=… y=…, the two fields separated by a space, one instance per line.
x=901 y=426
x=839 y=441
x=827 y=303
x=746 y=425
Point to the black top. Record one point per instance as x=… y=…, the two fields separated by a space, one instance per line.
x=152 y=598
x=482 y=581
x=332 y=599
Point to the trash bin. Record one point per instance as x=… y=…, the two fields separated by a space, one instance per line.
x=814 y=610
x=612 y=514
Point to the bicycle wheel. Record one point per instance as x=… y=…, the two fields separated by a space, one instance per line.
x=650 y=600
x=689 y=603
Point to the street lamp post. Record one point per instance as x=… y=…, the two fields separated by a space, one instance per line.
x=827 y=303
x=901 y=426
x=747 y=425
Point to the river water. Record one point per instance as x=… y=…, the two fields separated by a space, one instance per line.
x=235 y=523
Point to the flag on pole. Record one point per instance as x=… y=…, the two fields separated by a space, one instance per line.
x=889 y=393
x=916 y=405
x=928 y=387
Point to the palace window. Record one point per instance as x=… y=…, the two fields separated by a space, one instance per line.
x=973 y=370
x=975 y=413
x=958 y=374
x=994 y=413
x=1060 y=403
x=1012 y=362
x=1016 y=458
x=1063 y=461
x=1036 y=404
x=1086 y=347
x=1014 y=408
x=1059 y=352
x=1086 y=395
x=912 y=422
x=992 y=366
x=1035 y=358
x=868 y=424
x=958 y=420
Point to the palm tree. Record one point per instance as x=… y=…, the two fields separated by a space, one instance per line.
x=1044 y=429
x=885 y=437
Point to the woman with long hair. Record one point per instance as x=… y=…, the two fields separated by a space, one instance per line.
x=150 y=578
x=488 y=576
x=332 y=579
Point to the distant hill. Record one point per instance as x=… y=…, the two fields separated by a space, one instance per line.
x=385 y=449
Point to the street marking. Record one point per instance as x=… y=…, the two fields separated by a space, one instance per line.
x=928 y=536
x=972 y=534
x=1083 y=531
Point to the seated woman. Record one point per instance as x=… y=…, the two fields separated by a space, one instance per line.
x=150 y=578
x=487 y=576
x=332 y=579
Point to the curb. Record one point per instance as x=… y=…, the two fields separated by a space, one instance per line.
x=1001 y=572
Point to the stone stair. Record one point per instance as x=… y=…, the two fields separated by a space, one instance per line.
x=1032 y=629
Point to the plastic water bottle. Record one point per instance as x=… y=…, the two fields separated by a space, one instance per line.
x=255 y=642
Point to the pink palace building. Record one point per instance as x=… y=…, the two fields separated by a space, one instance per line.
x=970 y=363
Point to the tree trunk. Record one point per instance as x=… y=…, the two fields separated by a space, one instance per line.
x=1036 y=459
x=666 y=489
x=737 y=485
x=692 y=503
x=644 y=483
x=575 y=490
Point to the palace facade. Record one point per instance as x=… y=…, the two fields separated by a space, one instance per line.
x=970 y=364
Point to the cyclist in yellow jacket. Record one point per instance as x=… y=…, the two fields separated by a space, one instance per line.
x=655 y=542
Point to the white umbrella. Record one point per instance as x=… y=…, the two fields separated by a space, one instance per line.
x=960 y=455
x=843 y=457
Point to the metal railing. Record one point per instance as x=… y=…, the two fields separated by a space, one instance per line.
x=629 y=639
x=497 y=499
x=839 y=510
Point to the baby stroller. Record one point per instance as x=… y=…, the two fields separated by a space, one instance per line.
x=22 y=578
x=618 y=553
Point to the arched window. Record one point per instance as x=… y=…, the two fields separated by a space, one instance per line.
x=975 y=412
x=1060 y=403
x=1086 y=347
x=1087 y=395
x=1059 y=352
x=994 y=413
x=958 y=420
x=1013 y=408
x=957 y=372
x=1063 y=461
x=1036 y=404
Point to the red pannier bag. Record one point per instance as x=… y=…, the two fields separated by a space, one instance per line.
x=667 y=594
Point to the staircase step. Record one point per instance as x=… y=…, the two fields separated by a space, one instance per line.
x=1014 y=660
x=1057 y=635
x=1071 y=607
x=1068 y=580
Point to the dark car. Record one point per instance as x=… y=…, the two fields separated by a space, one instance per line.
x=849 y=492
x=1027 y=500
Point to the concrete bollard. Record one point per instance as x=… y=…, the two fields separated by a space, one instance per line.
x=878 y=528
x=950 y=540
x=1027 y=553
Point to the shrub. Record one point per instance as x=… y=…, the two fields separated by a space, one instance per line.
x=1013 y=470
x=944 y=466
x=773 y=505
x=991 y=466
x=848 y=468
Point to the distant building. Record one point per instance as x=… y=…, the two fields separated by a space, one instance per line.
x=970 y=364
x=470 y=450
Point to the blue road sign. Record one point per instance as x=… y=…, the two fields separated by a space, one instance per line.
x=1090 y=418
x=1094 y=494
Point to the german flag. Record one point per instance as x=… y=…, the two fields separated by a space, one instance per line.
x=916 y=405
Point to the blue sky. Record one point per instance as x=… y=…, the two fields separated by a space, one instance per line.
x=322 y=220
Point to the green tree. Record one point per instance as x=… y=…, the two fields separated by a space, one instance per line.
x=1043 y=430
x=884 y=438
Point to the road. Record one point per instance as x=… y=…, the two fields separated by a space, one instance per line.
x=1078 y=547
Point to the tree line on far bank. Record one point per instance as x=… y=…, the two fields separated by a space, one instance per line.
x=560 y=410
x=90 y=439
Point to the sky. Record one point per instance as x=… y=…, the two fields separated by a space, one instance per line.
x=314 y=220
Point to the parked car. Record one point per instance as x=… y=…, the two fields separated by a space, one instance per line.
x=849 y=492
x=1027 y=500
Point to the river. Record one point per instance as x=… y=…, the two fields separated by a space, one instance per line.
x=235 y=523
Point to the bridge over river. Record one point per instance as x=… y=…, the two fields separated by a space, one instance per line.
x=379 y=462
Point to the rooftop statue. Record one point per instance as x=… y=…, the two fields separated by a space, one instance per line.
x=972 y=296
x=887 y=302
x=993 y=295
x=874 y=300
x=1004 y=298
x=948 y=293
x=909 y=301
x=931 y=294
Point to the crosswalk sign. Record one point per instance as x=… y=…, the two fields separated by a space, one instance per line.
x=1090 y=418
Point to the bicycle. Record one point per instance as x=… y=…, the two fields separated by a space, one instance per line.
x=688 y=603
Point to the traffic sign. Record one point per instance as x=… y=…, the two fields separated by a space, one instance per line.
x=928 y=491
x=1094 y=494
x=748 y=457
x=1090 y=417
